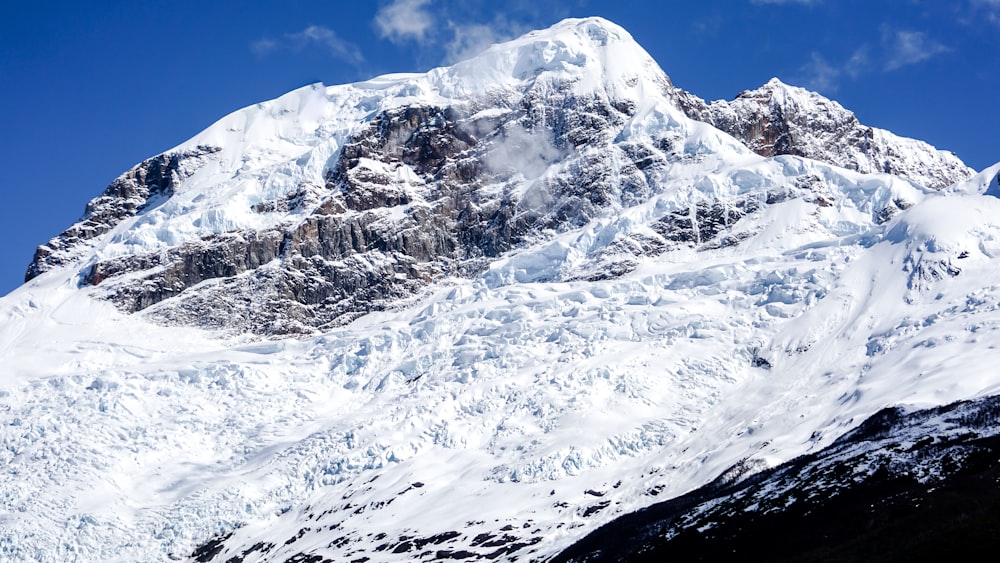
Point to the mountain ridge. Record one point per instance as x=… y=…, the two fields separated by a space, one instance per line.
x=351 y=168
x=780 y=119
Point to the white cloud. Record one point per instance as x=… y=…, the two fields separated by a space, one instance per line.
x=523 y=152
x=447 y=31
x=708 y=27
x=319 y=35
x=905 y=48
x=404 y=20
x=824 y=76
x=859 y=62
x=820 y=75
x=468 y=39
x=264 y=46
x=897 y=50
x=314 y=35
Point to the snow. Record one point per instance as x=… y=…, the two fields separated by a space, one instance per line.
x=985 y=182
x=125 y=440
x=494 y=390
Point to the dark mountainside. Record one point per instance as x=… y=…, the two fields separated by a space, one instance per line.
x=920 y=486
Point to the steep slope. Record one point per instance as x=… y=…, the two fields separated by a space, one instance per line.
x=780 y=119
x=536 y=296
x=902 y=486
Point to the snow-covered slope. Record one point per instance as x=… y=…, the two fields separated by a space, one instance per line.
x=781 y=119
x=533 y=295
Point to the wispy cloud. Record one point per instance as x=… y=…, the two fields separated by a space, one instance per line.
x=319 y=35
x=404 y=20
x=452 y=30
x=824 y=76
x=859 y=62
x=898 y=49
x=905 y=48
x=990 y=9
x=468 y=39
x=820 y=75
x=708 y=27
x=264 y=46
x=312 y=36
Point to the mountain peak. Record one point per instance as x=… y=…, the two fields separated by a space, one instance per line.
x=593 y=52
x=778 y=93
x=596 y=28
x=354 y=155
x=778 y=118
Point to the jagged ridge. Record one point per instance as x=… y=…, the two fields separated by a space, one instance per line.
x=780 y=119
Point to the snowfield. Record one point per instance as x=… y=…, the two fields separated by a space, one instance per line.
x=507 y=414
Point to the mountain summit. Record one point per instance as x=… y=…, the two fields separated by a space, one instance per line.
x=479 y=312
x=331 y=202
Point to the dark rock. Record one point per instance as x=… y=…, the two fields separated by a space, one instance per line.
x=777 y=119
x=130 y=194
x=350 y=257
x=857 y=500
x=595 y=508
x=208 y=550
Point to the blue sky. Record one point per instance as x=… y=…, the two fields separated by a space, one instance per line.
x=91 y=88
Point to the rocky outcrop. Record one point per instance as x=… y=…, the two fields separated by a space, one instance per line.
x=778 y=119
x=422 y=193
x=419 y=194
x=133 y=192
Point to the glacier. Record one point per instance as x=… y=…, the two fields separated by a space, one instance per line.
x=673 y=305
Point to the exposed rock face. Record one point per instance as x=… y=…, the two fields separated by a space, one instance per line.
x=133 y=192
x=778 y=119
x=419 y=194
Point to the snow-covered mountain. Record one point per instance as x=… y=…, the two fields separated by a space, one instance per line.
x=529 y=293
